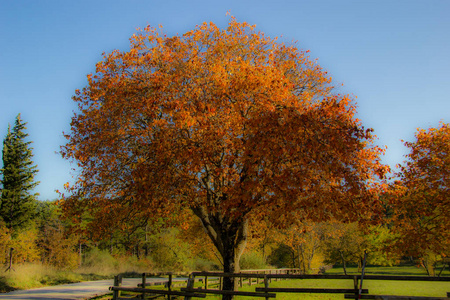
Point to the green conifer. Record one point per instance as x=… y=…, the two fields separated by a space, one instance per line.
x=17 y=203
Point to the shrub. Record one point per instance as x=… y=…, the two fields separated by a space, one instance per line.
x=201 y=264
x=169 y=252
x=99 y=262
x=253 y=260
x=26 y=276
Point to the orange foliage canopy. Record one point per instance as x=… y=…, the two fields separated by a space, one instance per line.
x=222 y=122
x=422 y=193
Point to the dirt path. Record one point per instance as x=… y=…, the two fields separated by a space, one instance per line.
x=81 y=290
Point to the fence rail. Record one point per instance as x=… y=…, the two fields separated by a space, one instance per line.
x=234 y=293
x=265 y=276
x=157 y=292
x=354 y=293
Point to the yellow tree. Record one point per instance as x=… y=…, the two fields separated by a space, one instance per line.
x=422 y=198
x=224 y=123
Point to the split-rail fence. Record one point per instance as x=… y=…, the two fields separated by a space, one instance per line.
x=209 y=279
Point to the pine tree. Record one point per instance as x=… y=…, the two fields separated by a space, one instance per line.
x=17 y=203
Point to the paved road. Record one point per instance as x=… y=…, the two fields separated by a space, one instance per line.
x=73 y=291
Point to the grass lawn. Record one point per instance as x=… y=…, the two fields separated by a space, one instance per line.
x=378 y=287
x=375 y=287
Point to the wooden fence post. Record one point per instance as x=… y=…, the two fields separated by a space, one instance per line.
x=190 y=285
x=169 y=285
x=144 y=279
x=266 y=284
x=118 y=283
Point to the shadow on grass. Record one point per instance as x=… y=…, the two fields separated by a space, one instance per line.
x=395 y=273
x=92 y=276
x=380 y=270
x=4 y=286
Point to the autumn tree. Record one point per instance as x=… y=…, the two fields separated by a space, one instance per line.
x=17 y=202
x=224 y=122
x=421 y=197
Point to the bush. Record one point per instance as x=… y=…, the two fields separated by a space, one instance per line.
x=131 y=264
x=169 y=252
x=201 y=264
x=26 y=276
x=253 y=260
x=99 y=262
x=282 y=257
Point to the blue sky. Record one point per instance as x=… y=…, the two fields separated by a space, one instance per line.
x=393 y=55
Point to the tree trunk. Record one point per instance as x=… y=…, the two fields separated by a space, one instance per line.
x=299 y=255
x=264 y=246
x=442 y=269
x=229 y=236
x=360 y=264
x=343 y=262
x=234 y=244
x=80 y=253
x=230 y=265
x=146 y=242
x=138 y=254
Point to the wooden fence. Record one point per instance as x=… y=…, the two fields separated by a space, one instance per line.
x=207 y=279
x=354 y=293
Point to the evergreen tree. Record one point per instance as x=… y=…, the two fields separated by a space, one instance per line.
x=17 y=204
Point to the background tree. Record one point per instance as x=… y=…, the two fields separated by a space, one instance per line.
x=5 y=243
x=225 y=123
x=345 y=243
x=57 y=247
x=17 y=204
x=422 y=194
x=298 y=245
x=308 y=241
